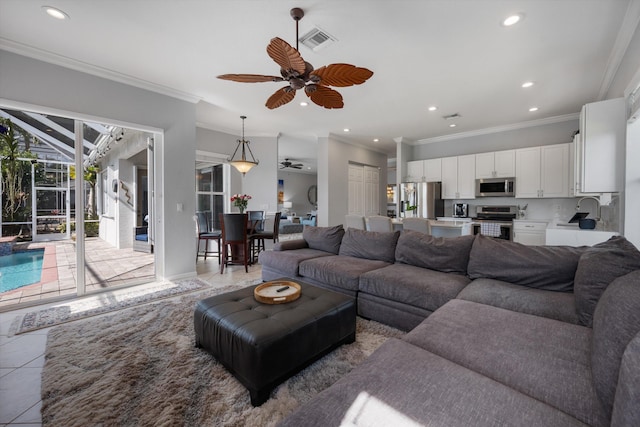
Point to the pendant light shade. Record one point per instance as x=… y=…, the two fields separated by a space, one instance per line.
x=241 y=163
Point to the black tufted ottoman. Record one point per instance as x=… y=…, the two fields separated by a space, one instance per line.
x=262 y=345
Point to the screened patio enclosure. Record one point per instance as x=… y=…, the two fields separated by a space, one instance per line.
x=44 y=201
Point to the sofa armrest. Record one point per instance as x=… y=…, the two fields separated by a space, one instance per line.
x=289 y=245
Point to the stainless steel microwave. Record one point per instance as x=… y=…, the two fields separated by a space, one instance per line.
x=496 y=187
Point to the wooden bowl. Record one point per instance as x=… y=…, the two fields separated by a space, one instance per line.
x=267 y=292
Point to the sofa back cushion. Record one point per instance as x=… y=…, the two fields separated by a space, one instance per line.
x=323 y=238
x=375 y=245
x=543 y=267
x=449 y=255
x=599 y=266
x=615 y=322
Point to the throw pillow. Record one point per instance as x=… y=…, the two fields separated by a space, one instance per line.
x=599 y=266
x=323 y=238
x=375 y=245
x=543 y=267
x=449 y=255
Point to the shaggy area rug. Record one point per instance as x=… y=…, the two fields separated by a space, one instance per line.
x=141 y=367
x=100 y=304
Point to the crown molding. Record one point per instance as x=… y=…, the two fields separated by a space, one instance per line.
x=336 y=137
x=497 y=129
x=63 y=61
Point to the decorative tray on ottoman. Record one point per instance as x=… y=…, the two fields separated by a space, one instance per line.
x=277 y=292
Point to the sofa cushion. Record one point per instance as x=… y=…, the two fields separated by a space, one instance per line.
x=449 y=255
x=338 y=270
x=415 y=286
x=324 y=238
x=599 y=266
x=402 y=385
x=375 y=245
x=626 y=411
x=543 y=358
x=543 y=267
x=554 y=305
x=287 y=262
x=615 y=322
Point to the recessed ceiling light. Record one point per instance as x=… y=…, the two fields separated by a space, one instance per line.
x=346 y=129
x=512 y=20
x=304 y=104
x=527 y=84
x=532 y=109
x=308 y=167
x=433 y=108
x=55 y=12
x=376 y=140
x=452 y=125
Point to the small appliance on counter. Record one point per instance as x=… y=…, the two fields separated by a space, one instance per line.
x=460 y=210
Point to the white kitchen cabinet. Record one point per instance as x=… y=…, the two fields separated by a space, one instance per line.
x=432 y=169
x=599 y=151
x=543 y=171
x=498 y=164
x=458 y=177
x=576 y=237
x=415 y=171
x=532 y=233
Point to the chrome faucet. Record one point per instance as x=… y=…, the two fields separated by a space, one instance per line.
x=597 y=205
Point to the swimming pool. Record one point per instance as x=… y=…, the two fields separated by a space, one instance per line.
x=20 y=269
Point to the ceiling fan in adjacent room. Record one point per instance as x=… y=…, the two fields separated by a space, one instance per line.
x=289 y=164
x=300 y=74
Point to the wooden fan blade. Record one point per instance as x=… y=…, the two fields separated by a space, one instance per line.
x=250 y=78
x=285 y=56
x=281 y=97
x=324 y=96
x=342 y=75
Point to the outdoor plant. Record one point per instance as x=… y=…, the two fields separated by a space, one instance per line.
x=240 y=201
x=14 y=191
x=90 y=177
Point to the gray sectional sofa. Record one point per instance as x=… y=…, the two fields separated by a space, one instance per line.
x=499 y=333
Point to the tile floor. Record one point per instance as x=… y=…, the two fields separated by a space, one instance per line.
x=22 y=356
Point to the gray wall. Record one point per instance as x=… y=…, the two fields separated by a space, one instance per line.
x=55 y=88
x=296 y=187
x=554 y=133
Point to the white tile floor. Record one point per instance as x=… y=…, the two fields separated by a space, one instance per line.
x=22 y=356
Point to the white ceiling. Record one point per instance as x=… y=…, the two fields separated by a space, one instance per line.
x=451 y=53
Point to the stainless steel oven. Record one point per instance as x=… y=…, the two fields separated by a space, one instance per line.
x=495 y=221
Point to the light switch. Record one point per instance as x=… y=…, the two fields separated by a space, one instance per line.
x=180 y=207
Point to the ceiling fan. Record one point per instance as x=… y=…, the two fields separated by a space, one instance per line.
x=288 y=164
x=301 y=75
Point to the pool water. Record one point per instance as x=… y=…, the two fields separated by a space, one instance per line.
x=20 y=269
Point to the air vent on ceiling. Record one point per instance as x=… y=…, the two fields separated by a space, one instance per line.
x=452 y=116
x=317 y=39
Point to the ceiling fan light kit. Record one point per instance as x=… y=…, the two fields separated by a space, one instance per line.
x=300 y=74
x=242 y=164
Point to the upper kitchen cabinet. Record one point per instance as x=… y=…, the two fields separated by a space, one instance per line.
x=415 y=171
x=458 y=177
x=599 y=151
x=498 y=164
x=543 y=171
x=432 y=170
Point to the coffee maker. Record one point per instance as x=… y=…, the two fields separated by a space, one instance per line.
x=460 y=210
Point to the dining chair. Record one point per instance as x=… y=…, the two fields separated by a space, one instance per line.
x=204 y=232
x=380 y=223
x=416 y=224
x=235 y=243
x=255 y=225
x=355 y=221
x=272 y=234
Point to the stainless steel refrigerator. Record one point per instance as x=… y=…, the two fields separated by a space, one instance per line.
x=421 y=200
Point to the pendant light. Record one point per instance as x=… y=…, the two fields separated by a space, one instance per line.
x=242 y=164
